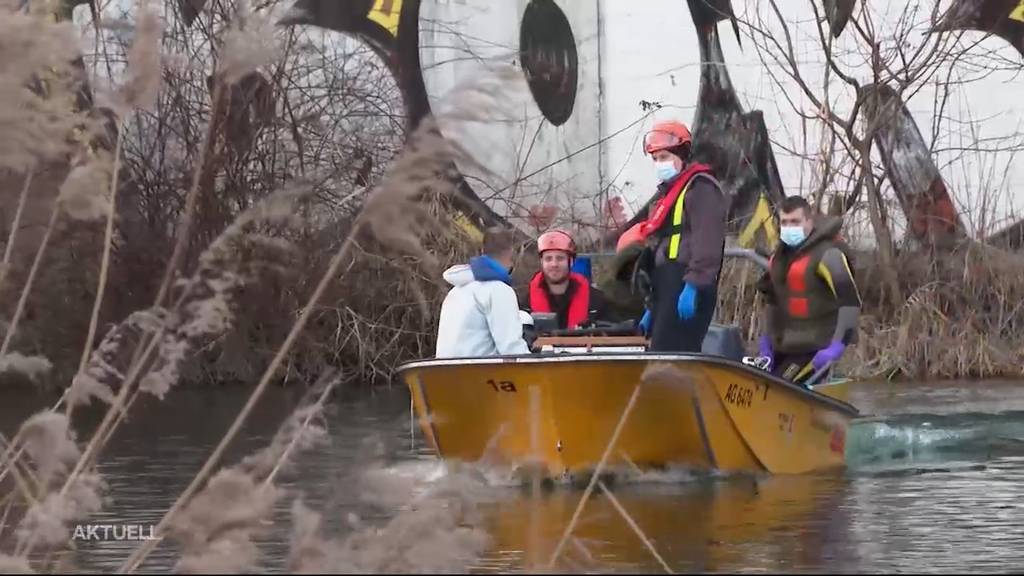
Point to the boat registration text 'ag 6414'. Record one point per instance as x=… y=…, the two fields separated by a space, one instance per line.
x=739 y=395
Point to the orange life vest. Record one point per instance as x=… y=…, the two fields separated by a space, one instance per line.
x=579 y=305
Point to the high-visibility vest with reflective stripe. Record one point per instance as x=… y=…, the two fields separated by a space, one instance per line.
x=675 y=227
x=677 y=224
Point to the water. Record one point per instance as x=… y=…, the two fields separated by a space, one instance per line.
x=935 y=484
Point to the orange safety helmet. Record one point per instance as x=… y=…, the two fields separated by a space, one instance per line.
x=667 y=134
x=556 y=239
x=630 y=237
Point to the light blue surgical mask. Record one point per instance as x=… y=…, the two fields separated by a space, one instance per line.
x=793 y=236
x=666 y=170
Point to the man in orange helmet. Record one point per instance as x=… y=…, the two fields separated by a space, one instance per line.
x=685 y=240
x=556 y=288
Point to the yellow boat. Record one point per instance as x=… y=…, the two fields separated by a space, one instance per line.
x=560 y=408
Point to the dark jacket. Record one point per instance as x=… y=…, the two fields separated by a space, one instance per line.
x=702 y=241
x=811 y=292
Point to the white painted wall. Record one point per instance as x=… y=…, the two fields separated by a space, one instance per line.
x=462 y=41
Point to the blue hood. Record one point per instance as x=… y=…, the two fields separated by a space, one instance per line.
x=486 y=268
x=479 y=269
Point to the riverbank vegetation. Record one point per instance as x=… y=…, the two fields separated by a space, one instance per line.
x=222 y=208
x=163 y=239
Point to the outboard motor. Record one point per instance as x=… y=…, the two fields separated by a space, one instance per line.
x=724 y=341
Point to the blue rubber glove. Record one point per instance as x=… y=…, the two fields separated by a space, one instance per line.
x=831 y=354
x=687 y=305
x=764 y=348
x=645 y=323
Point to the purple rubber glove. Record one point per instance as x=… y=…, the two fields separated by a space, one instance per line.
x=828 y=355
x=764 y=348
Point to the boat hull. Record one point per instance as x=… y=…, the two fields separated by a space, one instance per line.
x=560 y=412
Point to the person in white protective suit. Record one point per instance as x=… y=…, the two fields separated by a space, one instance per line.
x=480 y=315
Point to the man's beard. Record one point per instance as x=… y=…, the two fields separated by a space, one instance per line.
x=562 y=282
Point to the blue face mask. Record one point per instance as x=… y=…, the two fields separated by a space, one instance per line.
x=665 y=170
x=793 y=236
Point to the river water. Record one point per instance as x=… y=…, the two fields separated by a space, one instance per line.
x=935 y=484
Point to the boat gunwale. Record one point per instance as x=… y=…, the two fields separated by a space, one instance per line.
x=549 y=357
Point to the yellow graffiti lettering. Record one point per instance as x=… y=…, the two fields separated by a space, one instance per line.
x=770 y=232
x=386 y=13
x=762 y=218
x=1018 y=12
x=466 y=226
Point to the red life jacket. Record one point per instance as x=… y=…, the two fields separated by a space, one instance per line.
x=662 y=208
x=579 y=306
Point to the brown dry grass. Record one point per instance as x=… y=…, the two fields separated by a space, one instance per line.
x=208 y=289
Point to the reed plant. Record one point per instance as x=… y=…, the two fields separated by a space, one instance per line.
x=202 y=298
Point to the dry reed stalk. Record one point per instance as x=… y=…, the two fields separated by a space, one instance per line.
x=139 y=91
x=394 y=216
x=535 y=503
x=246 y=48
x=15 y=225
x=51 y=444
x=185 y=220
x=315 y=410
x=143 y=551
x=113 y=416
x=11 y=460
x=216 y=526
x=12 y=328
x=216 y=259
x=596 y=475
x=22 y=484
x=633 y=525
x=104 y=265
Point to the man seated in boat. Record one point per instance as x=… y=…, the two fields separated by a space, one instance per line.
x=813 y=305
x=557 y=288
x=480 y=314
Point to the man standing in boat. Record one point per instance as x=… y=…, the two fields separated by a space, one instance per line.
x=686 y=230
x=813 y=305
x=480 y=314
x=557 y=288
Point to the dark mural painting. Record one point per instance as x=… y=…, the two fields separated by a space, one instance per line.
x=547 y=50
x=1003 y=18
x=912 y=172
x=734 y=141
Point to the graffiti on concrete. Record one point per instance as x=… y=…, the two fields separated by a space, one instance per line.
x=1003 y=18
x=838 y=13
x=915 y=178
x=558 y=70
x=733 y=142
x=543 y=161
x=550 y=63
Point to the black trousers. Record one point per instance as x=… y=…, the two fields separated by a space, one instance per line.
x=668 y=332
